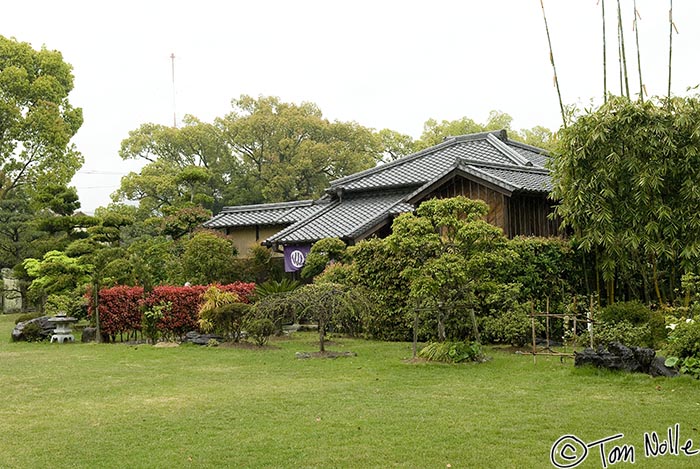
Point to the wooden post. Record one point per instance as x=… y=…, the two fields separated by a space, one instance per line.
x=415 y=333
x=534 y=339
x=590 y=322
x=548 y=348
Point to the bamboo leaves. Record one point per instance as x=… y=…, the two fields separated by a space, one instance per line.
x=627 y=176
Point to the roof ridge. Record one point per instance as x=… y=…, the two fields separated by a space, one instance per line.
x=267 y=206
x=501 y=134
x=488 y=164
x=532 y=148
x=391 y=164
x=487 y=176
x=449 y=141
x=507 y=151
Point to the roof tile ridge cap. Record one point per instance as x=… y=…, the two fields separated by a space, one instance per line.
x=301 y=223
x=499 y=134
x=511 y=167
x=487 y=176
x=267 y=206
x=449 y=141
x=527 y=146
x=509 y=153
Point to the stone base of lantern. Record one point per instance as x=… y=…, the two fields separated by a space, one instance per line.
x=60 y=338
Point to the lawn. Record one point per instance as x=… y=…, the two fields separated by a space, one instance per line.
x=102 y=405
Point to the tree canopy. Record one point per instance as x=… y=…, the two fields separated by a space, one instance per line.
x=37 y=121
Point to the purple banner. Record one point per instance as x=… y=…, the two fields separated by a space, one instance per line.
x=295 y=257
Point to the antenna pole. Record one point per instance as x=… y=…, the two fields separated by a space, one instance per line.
x=172 y=59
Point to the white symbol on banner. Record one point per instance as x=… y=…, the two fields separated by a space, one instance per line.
x=297 y=258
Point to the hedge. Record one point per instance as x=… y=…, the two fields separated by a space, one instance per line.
x=121 y=307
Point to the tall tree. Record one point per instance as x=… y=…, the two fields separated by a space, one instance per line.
x=435 y=132
x=37 y=121
x=289 y=151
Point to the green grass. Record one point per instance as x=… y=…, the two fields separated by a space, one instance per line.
x=90 y=405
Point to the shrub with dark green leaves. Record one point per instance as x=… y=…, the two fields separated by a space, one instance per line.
x=684 y=340
x=512 y=327
x=260 y=330
x=452 y=352
x=645 y=327
x=322 y=252
x=633 y=312
x=33 y=332
x=624 y=332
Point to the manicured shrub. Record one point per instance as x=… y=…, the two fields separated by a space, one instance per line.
x=120 y=310
x=623 y=332
x=648 y=328
x=633 y=312
x=260 y=330
x=512 y=327
x=33 y=332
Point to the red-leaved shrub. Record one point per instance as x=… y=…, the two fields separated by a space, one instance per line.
x=121 y=307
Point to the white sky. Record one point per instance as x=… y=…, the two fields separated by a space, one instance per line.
x=382 y=63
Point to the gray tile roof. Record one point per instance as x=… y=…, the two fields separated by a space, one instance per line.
x=417 y=169
x=356 y=204
x=348 y=218
x=264 y=214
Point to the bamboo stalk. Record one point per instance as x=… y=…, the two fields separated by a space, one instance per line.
x=605 y=56
x=554 y=68
x=623 y=56
x=670 y=44
x=639 y=59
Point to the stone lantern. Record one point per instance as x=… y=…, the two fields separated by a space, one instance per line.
x=62 y=330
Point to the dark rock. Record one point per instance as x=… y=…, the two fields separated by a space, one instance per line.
x=46 y=327
x=621 y=357
x=89 y=334
x=201 y=339
x=658 y=368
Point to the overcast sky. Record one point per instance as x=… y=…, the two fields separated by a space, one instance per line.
x=382 y=63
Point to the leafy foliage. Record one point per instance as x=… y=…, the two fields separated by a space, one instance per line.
x=121 y=307
x=222 y=312
x=626 y=176
x=37 y=121
x=512 y=327
x=323 y=251
x=452 y=352
x=260 y=329
x=207 y=258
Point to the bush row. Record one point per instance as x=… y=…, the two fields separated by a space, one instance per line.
x=121 y=307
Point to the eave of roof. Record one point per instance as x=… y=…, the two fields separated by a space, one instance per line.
x=263 y=214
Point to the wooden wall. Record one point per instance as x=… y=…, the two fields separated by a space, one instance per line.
x=497 y=201
x=530 y=216
x=516 y=215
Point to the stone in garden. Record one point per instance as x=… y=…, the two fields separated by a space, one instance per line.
x=201 y=339
x=658 y=368
x=89 y=334
x=43 y=322
x=621 y=357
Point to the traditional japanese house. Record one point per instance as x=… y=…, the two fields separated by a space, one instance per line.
x=511 y=177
